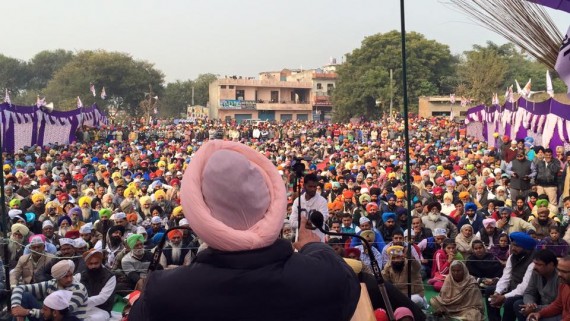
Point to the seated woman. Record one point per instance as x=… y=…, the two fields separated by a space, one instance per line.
x=460 y=297
x=442 y=260
x=502 y=250
x=464 y=239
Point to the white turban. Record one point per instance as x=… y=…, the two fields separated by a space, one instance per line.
x=58 y=300
x=61 y=268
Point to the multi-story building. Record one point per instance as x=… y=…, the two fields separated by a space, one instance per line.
x=276 y=95
x=441 y=106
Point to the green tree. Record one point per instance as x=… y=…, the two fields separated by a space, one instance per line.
x=13 y=75
x=44 y=65
x=119 y=73
x=363 y=87
x=177 y=96
x=493 y=68
x=202 y=88
x=481 y=71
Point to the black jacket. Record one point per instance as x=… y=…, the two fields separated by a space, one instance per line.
x=272 y=283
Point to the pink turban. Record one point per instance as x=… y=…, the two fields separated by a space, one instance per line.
x=489 y=222
x=233 y=197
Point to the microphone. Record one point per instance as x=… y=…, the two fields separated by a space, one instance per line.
x=317 y=219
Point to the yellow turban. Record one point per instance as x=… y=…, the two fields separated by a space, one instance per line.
x=144 y=199
x=127 y=192
x=177 y=210
x=161 y=164
x=38 y=197
x=354 y=264
x=399 y=194
x=395 y=250
x=116 y=175
x=84 y=200
x=20 y=228
x=159 y=193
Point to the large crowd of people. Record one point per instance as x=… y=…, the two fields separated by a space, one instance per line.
x=488 y=225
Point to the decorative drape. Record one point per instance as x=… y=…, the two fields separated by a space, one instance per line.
x=548 y=122
x=23 y=126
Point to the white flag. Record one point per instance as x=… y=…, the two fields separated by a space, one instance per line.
x=519 y=90
x=495 y=99
x=563 y=62
x=79 y=103
x=526 y=89
x=7 y=98
x=452 y=98
x=549 y=88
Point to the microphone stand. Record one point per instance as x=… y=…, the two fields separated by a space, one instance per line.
x=317 y=220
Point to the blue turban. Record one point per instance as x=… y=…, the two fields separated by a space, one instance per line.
x=471 y=206
x=523 y=240
x=64 y=218
x=390 y=196
x=156 y=238
x=529 y=140
x=386 y=216
x=30 y=217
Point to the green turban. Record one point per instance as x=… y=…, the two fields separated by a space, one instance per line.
x=133 y=239
x=542 y=203
x=105 y=212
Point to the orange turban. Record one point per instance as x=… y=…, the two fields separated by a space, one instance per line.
x=132 y=217
x=174 y=233
x=347 y=194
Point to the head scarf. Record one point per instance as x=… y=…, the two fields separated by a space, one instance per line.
x=227 y=218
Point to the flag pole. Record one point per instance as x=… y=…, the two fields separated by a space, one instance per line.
x=406 y=140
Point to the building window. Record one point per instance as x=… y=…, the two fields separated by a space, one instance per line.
x=223 y=86
x=240 y=94
x=330 y=86
x=231 y=86
x=319 y=85
x=274 y=96
x=303 y=117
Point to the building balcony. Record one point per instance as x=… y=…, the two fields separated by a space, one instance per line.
x=324 y=101
x=265 y=83
x=284 y=106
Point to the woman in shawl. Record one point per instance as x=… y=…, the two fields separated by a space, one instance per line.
x=463 y=240
x=460 y=297
x=442 y=260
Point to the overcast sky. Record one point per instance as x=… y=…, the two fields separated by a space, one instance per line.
x=185 y=38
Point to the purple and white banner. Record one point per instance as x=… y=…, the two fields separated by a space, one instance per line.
x=548 y=122
x=563 y=5
x=34 y=126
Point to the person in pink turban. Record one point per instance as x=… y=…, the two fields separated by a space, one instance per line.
x=235 y=201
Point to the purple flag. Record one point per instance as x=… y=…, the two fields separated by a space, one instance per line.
x=563 y=5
